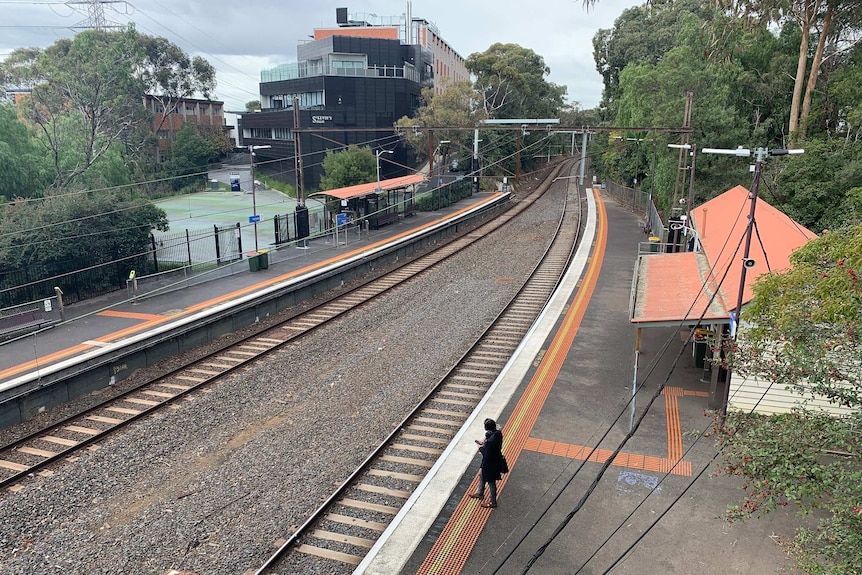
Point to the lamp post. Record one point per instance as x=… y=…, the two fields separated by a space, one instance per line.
x=377 y=153
x=251 y=150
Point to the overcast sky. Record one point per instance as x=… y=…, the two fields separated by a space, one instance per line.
x=240 y=38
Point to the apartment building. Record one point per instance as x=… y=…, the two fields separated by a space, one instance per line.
x=352 y=82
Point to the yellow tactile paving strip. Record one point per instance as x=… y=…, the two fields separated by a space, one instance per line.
x=156 y=320
x=449 y=553
x=673 y=463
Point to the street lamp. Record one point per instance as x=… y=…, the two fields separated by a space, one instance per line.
x=251 y=150
x=378 y=165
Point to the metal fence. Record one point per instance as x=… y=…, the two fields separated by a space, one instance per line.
x=641 y=203
x=189 y=247
x=286 y=228
x=79 y=279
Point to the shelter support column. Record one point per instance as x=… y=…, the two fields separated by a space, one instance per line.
x=716 y=391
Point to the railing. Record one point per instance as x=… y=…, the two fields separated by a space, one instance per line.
x=639 y=202
x=30 y=316
x=305 y=70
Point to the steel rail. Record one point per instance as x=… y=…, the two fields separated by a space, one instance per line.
x=27 y=455
x=550 y=259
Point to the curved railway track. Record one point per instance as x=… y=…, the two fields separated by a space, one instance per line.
x=337 y=536
x=44 y=451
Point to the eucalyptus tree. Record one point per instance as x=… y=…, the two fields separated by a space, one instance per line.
x=513 y=83
x=455 y=112
x=84 y=96
x=169 y=75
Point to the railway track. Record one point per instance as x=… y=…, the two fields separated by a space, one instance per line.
x=338 y=535
x=44 y=451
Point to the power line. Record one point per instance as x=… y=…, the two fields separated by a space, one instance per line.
x=634 y=429
x=609 y=428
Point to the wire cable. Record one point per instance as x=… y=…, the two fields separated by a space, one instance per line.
x=609 y=427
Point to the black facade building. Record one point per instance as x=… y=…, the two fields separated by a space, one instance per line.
x=352 y=88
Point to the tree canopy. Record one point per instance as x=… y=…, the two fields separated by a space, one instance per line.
x=73 y=148
x=457 y=106
x=354 y=165
x=512 y=82
x=771 y=74
x=805 y=333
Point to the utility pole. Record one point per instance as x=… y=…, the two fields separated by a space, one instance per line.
x=583 y=161
x=302 y=226
x=682 y=162
x=760 y=155
x=476 y=161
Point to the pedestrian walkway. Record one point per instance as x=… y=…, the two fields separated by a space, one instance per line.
x=564 y=407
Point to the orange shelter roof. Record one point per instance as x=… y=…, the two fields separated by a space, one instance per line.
x=360 y=190
x=666 y=284
x=721 y=223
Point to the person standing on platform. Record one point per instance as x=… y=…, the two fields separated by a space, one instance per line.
x=491 y=449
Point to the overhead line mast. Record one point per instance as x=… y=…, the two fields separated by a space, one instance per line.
x=94 y=9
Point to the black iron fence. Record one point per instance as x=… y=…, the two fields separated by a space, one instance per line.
x=84 y=277
x=79 y=279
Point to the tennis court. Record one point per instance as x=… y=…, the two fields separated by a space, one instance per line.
x=199 y=212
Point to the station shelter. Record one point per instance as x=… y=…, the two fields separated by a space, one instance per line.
x=378 y=203
x=699 y=289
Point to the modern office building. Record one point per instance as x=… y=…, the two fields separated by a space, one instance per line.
x=351 y=83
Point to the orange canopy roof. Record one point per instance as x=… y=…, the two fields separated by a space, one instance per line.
x=721 y=223
x=666 y=284
x=360 y=190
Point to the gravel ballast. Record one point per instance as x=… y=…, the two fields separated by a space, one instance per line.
x=210 y=486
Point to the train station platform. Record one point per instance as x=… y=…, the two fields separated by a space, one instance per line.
x=114 y=319
x=577 y=499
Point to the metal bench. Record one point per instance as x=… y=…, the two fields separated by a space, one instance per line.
x=24 y=320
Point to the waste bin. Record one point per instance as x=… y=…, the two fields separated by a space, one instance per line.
x=654 y=244
x=253 y=261
x=263 y=259
x=701 y=345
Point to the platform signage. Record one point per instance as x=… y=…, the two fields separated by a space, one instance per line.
x=341 y=219
x=254 y=219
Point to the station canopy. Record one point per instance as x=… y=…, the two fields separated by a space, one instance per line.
x=361 y=190
x=666 y=284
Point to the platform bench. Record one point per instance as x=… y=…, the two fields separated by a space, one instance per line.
x=21 y=321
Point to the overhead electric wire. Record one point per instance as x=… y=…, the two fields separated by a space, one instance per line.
x=609 y=427
x=661 y=515
x=667 y=474
x=201 y=50
x=84 y=218
x=624 y=441
x=115 y=188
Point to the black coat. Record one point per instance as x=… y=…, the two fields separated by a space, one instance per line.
x=492 y=454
